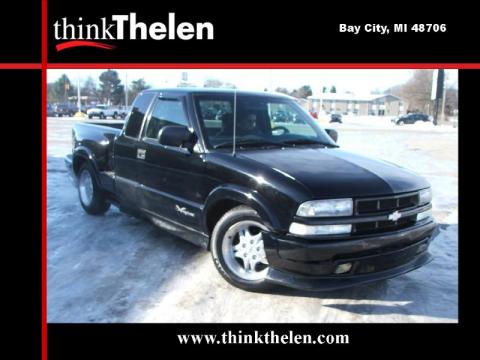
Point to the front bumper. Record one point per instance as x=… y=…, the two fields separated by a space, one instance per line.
x=310 y=264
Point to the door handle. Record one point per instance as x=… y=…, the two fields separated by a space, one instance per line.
x=141 y=154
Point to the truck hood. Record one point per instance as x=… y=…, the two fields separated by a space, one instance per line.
x=334 y=173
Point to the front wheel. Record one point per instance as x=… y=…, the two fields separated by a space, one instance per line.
x=91 y=197
x=238 y=250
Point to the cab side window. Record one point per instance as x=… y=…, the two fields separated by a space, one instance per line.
x=165 y=112
x=139 y=108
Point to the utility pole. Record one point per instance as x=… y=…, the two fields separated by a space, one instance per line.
x=443 y=102
x=437 y=91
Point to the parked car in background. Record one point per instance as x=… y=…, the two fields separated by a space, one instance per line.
x=64 y=109
x=335 y=118
x=50 y=110
x=124 y=110
x=411 y=118
x=104 y=111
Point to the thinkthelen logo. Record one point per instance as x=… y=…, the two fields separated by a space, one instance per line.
x=120 y=27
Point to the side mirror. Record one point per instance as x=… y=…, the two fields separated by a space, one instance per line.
x=177 y=136
x=333 y=134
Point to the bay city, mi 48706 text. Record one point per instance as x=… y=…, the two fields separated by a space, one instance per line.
x=385 y=29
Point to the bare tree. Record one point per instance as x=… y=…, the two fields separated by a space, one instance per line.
x=90 y=90
x=282 y=90
x=451 y=100
x=416 y=92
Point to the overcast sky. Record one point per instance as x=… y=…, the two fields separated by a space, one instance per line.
x=359 y=81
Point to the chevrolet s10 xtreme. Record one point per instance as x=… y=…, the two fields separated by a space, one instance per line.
x=275 y=203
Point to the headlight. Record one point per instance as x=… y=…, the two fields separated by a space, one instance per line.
x=425 y=196
x=302 y=229
x=335 y=207
x=424 y=215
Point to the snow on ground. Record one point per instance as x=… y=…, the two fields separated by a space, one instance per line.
x=116 y=268
x=384 y=123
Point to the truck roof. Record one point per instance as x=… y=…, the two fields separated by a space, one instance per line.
x=194 y=90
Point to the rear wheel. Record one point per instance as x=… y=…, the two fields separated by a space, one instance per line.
x=238 y=250
x=91 y=196
x=102 y=115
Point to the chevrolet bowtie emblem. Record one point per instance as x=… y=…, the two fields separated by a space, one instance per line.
x=395 y=216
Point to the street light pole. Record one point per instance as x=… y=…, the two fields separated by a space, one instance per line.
x=79 y=102
x=126 y=89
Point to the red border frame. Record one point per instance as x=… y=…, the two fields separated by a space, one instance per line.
x=264 y=66
x=44 y=181
x=44 y=65
x=21 y=66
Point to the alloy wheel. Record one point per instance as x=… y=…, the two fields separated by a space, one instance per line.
x=243 y=250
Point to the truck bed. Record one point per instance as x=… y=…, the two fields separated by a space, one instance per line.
x=116 y=124
x=98 y=138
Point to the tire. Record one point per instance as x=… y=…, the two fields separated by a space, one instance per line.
x=90 y=116
x=91 y=197
x=229 y=262
x=400 y=123
x=102 y=116
x=115 y=115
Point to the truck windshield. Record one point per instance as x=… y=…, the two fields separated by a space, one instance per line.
x=261 y=121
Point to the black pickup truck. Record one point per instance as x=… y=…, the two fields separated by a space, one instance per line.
x=275 y=203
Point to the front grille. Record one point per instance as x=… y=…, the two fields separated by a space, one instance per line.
x=384 y=206
x=375 y=206
x=374 y=227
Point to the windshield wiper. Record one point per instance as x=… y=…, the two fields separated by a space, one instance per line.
x=307 y=142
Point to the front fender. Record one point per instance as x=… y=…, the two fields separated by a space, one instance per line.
x=242 y=195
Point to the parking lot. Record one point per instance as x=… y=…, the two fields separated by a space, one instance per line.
x=116 y=268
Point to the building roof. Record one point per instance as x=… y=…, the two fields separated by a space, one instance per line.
x=350 y=97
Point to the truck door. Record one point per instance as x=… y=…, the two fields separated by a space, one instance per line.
x=127 y=152
x=170 y=177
